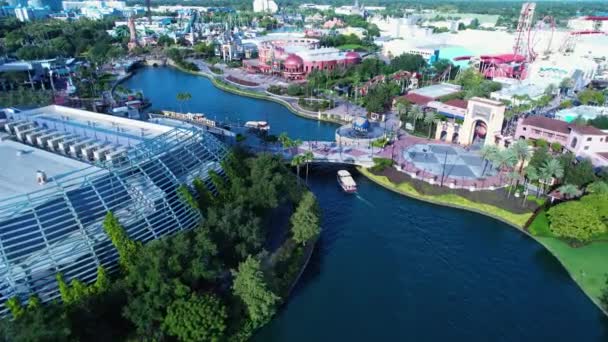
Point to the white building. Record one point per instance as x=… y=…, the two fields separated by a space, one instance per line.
x=28 y=13
x=268 y=6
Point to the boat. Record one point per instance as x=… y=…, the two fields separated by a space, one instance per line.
x=261 y=125
x=347 y=182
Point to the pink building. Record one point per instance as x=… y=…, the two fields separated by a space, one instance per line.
x=295 y=58
x=582 y=141
x=333 y=23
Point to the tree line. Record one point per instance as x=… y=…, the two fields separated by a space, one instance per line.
x=213 y=283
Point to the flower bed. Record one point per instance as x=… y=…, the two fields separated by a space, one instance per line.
x=241 y=82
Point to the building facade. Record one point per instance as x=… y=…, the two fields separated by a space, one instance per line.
x=583 y=141
x=295 y=58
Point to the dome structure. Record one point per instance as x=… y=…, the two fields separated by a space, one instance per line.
x=352 y=57
x=293 y=61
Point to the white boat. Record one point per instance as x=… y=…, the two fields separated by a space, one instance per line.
x=261 y=125
x=346 y=181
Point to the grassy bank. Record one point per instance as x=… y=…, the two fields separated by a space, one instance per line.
x=453 y=200
x=586 y=265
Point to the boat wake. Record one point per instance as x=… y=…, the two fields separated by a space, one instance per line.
x=368 y=203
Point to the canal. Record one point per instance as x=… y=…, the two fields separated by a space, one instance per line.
x=389 y=268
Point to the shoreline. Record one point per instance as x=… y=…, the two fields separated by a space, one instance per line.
x=521 y=228
x=371 y=177
x=223 y=85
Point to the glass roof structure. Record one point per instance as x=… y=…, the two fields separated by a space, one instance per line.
x=56 y=227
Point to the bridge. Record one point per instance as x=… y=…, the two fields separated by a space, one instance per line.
x=322 y=151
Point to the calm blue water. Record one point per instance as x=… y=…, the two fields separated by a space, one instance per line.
x=389 y=268
x=161 y=85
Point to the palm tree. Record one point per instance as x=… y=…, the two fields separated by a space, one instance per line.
x=504 y=160
x=488 y=152
x=531 y=176
x=401 y=110
x=552 y=168
x=512 y=176
x=297 y=161
x=183 y=97
x=569 y=191
x=308 y=157
x=415 y=114
x=523 y=153
x=430 y=119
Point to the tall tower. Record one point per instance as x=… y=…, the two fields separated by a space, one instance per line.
x=133 y=33
x=524 y=25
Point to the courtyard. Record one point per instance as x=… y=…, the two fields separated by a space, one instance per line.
x=448 y=161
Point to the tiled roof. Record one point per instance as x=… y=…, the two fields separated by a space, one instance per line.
x=587 y=130
x=418 y=99
x=457 y=103
x=547 y=123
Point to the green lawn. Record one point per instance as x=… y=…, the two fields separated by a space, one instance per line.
x=587 y=265
x=451 y=199
x=351 y=47
x=540 y=226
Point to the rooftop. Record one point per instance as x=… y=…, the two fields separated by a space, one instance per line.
x=20 y=163
x=101 y=127
x=437 y=90
x=587 y=130
x=547 y=123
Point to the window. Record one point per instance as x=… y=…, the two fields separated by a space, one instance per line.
x=525 y=128
x=536 y=131
x=589 y=139
x=586 y=148
x=573 y=143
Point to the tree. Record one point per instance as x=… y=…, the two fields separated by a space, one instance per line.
x=488 y=153
x=539 y=157
x=566 y=84
x=575 y=220
x=579 y=173
x=415 y=114
x=407 y=62
x=552 y=168
x=127 y=248
x=197 y=318
x=305 y=220
x=591 y=96
x=297 y=161
x=236 y=230
x=308 y=157
x=556 y=147
x=183 y=97
x=250 y=287
x=522 y=152
x=569 y=191
x=597 y=187
x=532 y=175
x=14 y=306
x=430 y=118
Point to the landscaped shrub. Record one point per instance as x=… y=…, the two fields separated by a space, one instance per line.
x=576 y=221
x=381 y=163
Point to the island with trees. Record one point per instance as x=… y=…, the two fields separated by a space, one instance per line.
x=218 y=282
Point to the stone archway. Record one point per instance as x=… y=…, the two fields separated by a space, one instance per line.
x=443 y=135
x=480 y=131
x=455 y=137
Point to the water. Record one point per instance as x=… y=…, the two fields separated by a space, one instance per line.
x=389 y=268
x=161 y=85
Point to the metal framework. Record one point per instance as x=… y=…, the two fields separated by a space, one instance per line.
x=524 y=25
x=59 y=229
